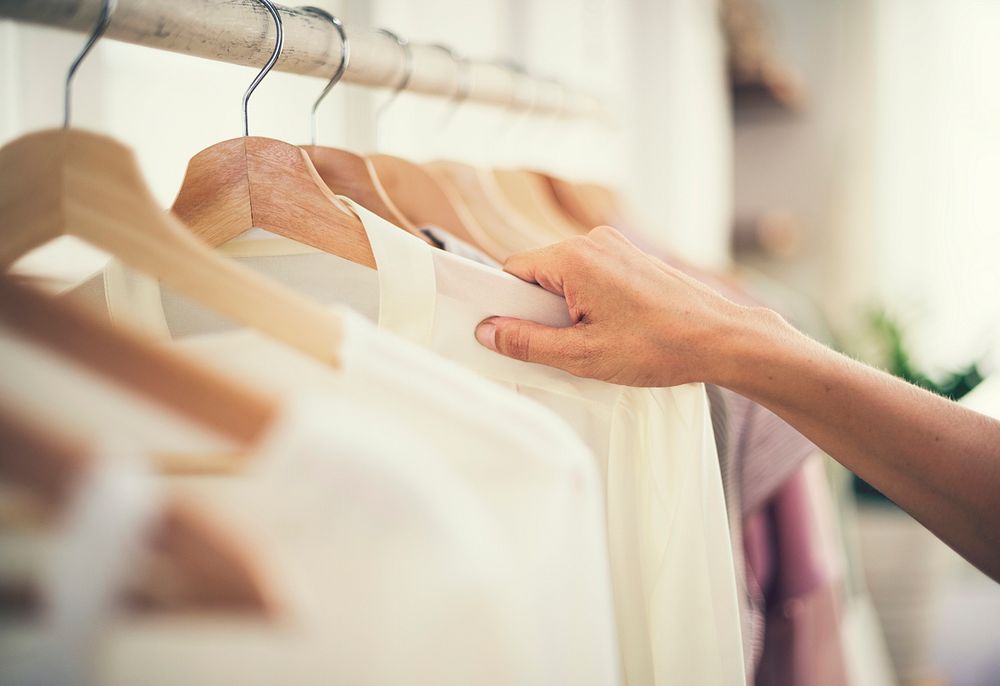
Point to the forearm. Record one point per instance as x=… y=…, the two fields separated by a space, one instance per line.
x=937 y=460
x=640 y=322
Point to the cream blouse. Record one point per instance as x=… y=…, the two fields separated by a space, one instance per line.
x=410 y=537
x=671 y=559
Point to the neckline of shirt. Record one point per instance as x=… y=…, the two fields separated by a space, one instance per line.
x=413 y=278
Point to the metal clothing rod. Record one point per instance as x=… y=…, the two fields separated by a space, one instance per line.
x=241 y=32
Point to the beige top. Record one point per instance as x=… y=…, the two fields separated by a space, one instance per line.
x=668 y=537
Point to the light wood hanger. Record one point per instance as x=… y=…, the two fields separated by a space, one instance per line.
x=528 y=194
x=259 y=182
x=485 y=202
x=351 y=175
x=249 y=182
x=575 y=202
x=423 y=199
x=132 y=361
x=71 y=182
x=194 y=564
x=607 y=203
x=344 y=172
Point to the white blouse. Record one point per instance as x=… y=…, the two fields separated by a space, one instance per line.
x=671 y=559
x=410 y=536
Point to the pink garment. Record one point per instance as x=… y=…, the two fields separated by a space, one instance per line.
x=795 y=577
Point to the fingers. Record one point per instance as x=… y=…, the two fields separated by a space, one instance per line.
x=540 y=266
x=531 y=342
x=608 y=235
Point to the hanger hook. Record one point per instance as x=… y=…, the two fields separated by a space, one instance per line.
x=345 y=60
x=462 y=69
x=404 y=46
x=103 y=20
x=463 y=85
x=279 y=43
x=520 y=79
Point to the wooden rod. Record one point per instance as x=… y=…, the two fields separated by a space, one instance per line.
x=241 y=32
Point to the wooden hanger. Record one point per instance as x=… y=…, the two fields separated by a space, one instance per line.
x=194 y=563
x=575 y=202
x=351 y=175
x=529 y=195
x=423 y=199
x=72 y=182
x=344 y=172
x=250 y=182
x=482 y=197
x=132 y=361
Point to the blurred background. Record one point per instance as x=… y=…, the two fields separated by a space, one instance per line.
x=841 y=155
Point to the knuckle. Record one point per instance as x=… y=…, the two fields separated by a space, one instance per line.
x=578 y=251
x=515 y=342
x=603 y=232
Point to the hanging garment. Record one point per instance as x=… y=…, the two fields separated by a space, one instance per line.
x=731 y=487
x=798 y=570
x=391 y=569
x=89 y=404
x=758 y=453
x=542 y=610
x=668 y=537
x=761 y=453
x=456 y=246
x=91 y=558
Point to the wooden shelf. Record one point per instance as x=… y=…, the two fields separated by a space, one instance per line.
x=778 y=89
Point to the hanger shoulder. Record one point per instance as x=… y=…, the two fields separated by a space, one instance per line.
x=45 y=463
x=351 y=175
x=522 y=190
x=103 y=200
x=31 y=181
x=479 y=192
x=289 y=198
x=214 y=199
x=261 y=182
x=607 y=203
x=422 y=198
x=183 y=386
x=195 y=564
x=544 y=191
x=575 y=202
x=198 y=564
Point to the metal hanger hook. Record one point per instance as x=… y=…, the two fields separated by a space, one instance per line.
x=404 y=46
x=463 y=84
x=279 y=43
x=103 y=20
x=345 y=61
x=521 y=79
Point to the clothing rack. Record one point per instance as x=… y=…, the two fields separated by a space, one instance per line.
x=242 y=32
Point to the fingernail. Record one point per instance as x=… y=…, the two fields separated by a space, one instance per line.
x=486 y=334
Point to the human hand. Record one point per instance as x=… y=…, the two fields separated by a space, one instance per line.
x=637 y=321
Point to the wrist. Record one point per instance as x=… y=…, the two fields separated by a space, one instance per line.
x=749 y=341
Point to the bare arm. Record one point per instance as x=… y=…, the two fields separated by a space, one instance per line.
x=642 y=323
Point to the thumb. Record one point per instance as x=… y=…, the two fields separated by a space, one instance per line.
x=527 y=341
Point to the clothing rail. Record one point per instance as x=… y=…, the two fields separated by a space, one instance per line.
x=242 y=32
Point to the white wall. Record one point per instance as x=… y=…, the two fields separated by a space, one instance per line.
x=681 y=143
x=937 y=205
x=892 y=168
